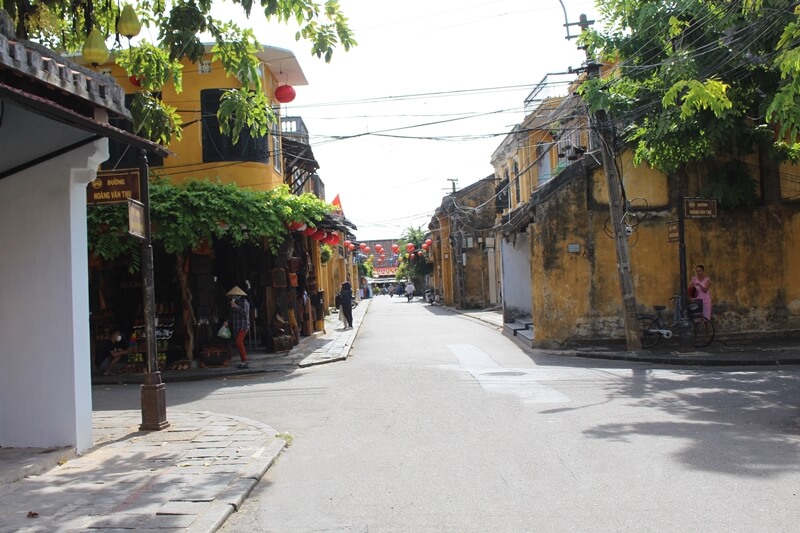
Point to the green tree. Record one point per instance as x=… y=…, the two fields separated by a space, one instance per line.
x=63 y=25
x=201 y=211
x=692 y=79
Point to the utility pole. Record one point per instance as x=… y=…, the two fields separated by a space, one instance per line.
x=604 y=129
x=453 y=181
x=615 y=209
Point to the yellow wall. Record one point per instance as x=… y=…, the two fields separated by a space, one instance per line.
x=188 y=159
x=751 y=255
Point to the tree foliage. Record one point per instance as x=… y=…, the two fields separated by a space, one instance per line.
x=692 y=78
x=419 y=267
x=183 y=217
x=181 y=26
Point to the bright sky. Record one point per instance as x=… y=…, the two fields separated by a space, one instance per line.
x=399 y=115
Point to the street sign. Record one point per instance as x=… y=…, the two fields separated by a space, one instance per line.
x=699 y=207
x=136 y=218
x=113 y=186
x=672 y=231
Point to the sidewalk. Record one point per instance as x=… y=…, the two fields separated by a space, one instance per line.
x=190 y=476
x=770 y=351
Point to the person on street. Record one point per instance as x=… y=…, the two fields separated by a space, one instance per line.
x=346 y=301
x=410 y=291
x=114 y=349
x=239 y=321
x=702 y=289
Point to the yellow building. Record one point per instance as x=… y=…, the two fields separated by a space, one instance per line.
x=559 y=259
x=290 y=288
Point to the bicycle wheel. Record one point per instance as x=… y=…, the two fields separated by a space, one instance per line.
x=702 y=331
x=649 y=332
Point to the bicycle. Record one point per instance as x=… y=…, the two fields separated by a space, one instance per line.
x=653 y=327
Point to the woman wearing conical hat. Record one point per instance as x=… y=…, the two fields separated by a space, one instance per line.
x=239 y=321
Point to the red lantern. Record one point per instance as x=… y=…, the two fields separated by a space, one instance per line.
x=420 y=253
x=366 y=249
x=285 y=94
x=347 y=244
x=301 y=227
x=428 y=241
x=334 y=238
x=309 y=231
x=319 y=235
x=351 y=247
x=136 y=81
x=362 y=246
x=425 y=246
x=409 y=247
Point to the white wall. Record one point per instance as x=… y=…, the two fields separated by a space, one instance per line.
x=45 y=383
x=517 y=292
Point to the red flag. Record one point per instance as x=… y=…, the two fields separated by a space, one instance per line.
x=337 y=205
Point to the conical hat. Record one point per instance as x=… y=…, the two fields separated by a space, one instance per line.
x=236 y=291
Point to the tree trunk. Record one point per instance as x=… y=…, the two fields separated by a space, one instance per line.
x=181 y=269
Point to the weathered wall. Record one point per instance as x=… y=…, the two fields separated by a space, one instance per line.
x=751 y=255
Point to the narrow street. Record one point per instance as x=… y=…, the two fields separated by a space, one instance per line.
x=437 y=422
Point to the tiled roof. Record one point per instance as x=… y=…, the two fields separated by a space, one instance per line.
x=47 y=68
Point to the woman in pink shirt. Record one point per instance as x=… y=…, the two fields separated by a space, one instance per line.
x=702 y=286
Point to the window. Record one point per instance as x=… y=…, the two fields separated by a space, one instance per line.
x=517 y=186
x=120 y=154
x=543 y=162
x=277 y=156
x=218 y=147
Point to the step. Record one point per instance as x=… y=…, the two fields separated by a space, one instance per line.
x=526 y=321
x=512 y=328
x=526 y=333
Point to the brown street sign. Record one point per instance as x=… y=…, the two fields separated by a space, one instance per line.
x=699 y=207
x=672 y=231
x=113 y=186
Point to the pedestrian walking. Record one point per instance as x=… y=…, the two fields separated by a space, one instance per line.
x=346 y=301
x=239 y=321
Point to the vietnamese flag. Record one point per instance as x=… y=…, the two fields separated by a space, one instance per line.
x=337 y=205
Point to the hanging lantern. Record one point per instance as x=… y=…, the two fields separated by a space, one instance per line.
x=136 y=81
x=334 y=238
x=347 y=244
x=319 y=235
x=301 y=227
x=425 y=246
x=366 y=249
x=351 y=247
x=309 y=231
x=129 y=24
x=95 y=50
x=428 y=241
x=420 y=253
x=285 y=94
x=409 y=247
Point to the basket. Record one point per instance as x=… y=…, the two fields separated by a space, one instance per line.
x=696 y=307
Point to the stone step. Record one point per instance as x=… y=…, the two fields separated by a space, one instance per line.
x=526 y=321
x=511 y=328
x=526 y=333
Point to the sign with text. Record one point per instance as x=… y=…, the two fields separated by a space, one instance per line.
x=672 y=231
x=113 y=186
x=136 y=218
x=699 y=207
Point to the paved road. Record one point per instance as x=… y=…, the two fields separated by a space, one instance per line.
x=439 y=423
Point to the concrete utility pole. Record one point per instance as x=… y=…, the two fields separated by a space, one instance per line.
x=604 y=129
x=615 y=208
